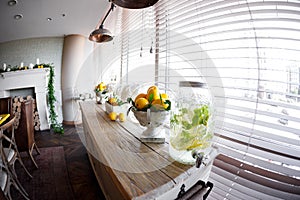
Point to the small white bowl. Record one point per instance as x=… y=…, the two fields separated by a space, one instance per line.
x=117 y=109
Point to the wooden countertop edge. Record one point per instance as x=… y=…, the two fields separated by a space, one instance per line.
x=93 y=160
x=114 y=179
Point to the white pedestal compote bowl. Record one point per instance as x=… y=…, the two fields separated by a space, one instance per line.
x=151 y=107
x=155 y=122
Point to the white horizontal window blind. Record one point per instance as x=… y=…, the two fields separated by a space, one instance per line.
x=248 y=53
x=138 y=37
x=129 y=57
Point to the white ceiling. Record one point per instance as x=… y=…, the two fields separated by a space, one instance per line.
x=81 y=17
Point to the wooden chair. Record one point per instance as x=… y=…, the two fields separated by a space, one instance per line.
x=9 y=154
x=2 y=195
x=24 y=134
x=11 y=149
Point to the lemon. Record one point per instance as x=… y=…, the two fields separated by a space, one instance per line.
x=141 y=103
x=195 y=144
x=112 y=101
x=113 y=116
x=122 y=117
x=153 y=94
x=165 y=105
x=160 y=104
x=153 y=86
x=102 y=86
x=157 y=103
x=164 y=96
x=141 y=95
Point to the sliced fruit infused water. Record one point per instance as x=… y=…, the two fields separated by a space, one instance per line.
x=191 y=125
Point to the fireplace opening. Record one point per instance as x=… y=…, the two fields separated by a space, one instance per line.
x=23 y=92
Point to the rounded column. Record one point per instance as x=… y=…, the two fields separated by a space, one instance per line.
x=72 y=59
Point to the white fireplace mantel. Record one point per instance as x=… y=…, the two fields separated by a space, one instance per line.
x=32 y=78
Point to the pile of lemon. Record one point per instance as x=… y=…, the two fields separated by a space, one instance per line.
x=113 y=101
x=153 y=98
x=101 y=86
x=113 y=116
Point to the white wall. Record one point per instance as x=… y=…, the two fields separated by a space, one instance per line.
x=48 y=50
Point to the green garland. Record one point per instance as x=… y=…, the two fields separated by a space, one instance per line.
x=57 y=127
x=10 y=68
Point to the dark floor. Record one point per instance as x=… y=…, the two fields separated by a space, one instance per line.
x=83 y=181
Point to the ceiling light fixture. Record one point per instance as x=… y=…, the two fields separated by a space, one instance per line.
x=18 y=16
x=134 y=4
x=12 y=2
x=101 y=34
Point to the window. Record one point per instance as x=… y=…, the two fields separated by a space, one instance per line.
x=248 y=53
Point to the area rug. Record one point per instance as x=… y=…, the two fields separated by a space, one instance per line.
x=50 y=181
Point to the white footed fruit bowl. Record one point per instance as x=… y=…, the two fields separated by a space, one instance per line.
x=100 y=98
x=154 y=121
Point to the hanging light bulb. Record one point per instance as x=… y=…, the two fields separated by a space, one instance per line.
x=101 y=34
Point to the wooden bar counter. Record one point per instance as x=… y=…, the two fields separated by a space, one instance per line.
x=127 y=168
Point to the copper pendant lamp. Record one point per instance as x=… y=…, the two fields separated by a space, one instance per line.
x=101 y=34
x=134 y=4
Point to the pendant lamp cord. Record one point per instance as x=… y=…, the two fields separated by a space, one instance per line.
x=111 y=9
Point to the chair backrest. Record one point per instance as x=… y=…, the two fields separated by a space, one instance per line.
x=24 y=134
x=6 y=105
x=8 y=126
x=5 y=129
x=9 y=169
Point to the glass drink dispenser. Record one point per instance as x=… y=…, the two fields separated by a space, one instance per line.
x=191 y=122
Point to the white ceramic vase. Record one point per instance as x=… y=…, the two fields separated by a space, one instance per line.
x=100 y=98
